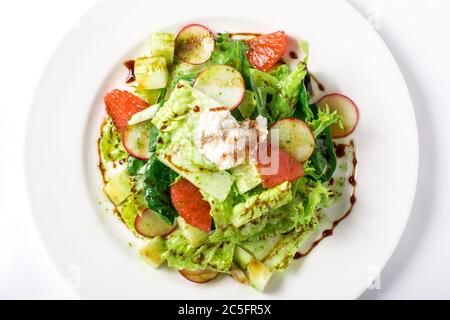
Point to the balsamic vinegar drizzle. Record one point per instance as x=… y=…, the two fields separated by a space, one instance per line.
x=130 y=66
x=319 y=84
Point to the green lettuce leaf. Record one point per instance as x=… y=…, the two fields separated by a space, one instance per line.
x=111 y=147
x=214 y=256
x=131 y=208
x=309 y=197
x=231 y=52
x=282 y=254
x=324 y=119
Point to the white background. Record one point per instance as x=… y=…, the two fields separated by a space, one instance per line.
x=415 y=31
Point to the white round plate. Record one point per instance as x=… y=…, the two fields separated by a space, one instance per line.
x=63 y=181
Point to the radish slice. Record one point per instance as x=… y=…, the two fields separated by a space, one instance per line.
x=136 y=140
x=346 y=108
x=296 y=138
x=223 y=83
x=194 y=44
x=199 y=276
x=150 y=225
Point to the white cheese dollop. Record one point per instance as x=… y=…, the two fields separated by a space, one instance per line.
x=226 y=142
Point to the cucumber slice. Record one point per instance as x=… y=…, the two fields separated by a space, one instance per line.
x=244 y=36
x=238 y=274
x=346 y=108
x=296 y=138
x=151 y=72
x=148 y=95
x=246 y=177
x=261 y=249
x=150 y=225
x=194 y=236
x=259 y=275
x=136 y=140
x=144 y=115
x=118 y=188
x=242 y=257
x=194 y=44
x=163 y=45
x=199 y=276
x=152 y=252
x=223 y=83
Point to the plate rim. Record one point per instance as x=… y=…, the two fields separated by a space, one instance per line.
x=92 y=9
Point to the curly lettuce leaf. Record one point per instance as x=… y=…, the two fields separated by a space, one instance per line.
x=310 y=197
x=283 y=87
x=231 y=52
x=324 y=119
x=213 y=256
x=290 y=86
x=280 y=72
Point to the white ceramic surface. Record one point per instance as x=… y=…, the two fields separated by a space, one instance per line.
x=347 y=55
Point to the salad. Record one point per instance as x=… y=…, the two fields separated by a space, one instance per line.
x=217 y=156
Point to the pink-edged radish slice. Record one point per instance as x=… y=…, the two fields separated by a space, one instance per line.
x=199 y=276
x=346 y=108
x=150 y=225
x=136 y=140
x=223 y=83
x=195 y=44
x=296 y=138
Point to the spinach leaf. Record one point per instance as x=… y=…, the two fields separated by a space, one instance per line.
x=161 y=95
x=134 y=165
x=154 y=134
x=323 y=159
x=304 y=102
x=303 y=110
x=157 y=182
x=261 y=99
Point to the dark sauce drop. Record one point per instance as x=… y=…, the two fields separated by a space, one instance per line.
x=130 y=66
x=327 y=233
x=319 y=84
x=196 y=109
x=331 y=182
x=293 y=55
x=340 y=150
x=352 y=181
